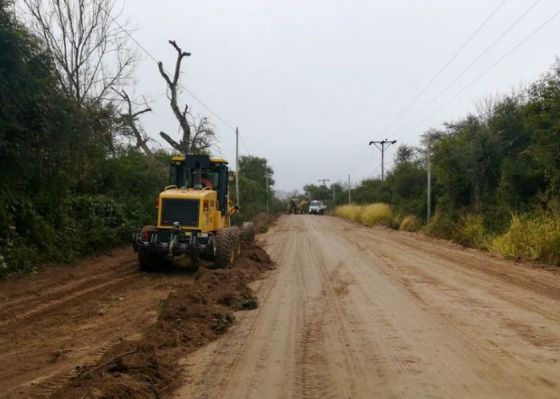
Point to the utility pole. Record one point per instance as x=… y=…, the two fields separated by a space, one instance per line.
x=349 y=192
x=237 y=165
x=382 y=146
x=429 y=202
x=324 y=181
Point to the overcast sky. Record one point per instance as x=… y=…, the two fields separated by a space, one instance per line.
x=310 y=82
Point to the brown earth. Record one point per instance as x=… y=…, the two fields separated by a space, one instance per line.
x=354 y=312
x=349 y=312
x=106 y=329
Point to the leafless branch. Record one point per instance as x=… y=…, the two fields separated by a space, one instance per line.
x=89 y=49
x=173 y=87
x=128 y=123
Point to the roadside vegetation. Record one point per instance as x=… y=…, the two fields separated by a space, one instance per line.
x=495 y=177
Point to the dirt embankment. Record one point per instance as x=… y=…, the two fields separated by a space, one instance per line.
x=195 y=313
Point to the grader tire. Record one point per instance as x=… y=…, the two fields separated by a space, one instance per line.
x=224 y=250
x=247 y=233
x=236 y=240
x=194 y=266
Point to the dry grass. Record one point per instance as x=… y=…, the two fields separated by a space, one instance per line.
x=535 y=237
x=410 y=223
x=471 y=232
x=375 y=214
x=350 y=212
x=369 y=214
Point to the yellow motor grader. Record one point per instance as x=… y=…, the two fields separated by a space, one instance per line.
x=296 y=207
x=193 y=217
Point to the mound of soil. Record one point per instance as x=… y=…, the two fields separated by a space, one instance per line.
x=196 y=313
x=263 y=221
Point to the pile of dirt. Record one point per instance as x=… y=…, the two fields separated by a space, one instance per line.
x=263 y=221
x=196 y=313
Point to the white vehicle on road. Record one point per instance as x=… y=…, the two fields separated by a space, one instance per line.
x=317 y=208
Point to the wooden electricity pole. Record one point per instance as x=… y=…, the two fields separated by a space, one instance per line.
x=237 y=165
x=349 y=192
x=382 y=146
x=429 y=201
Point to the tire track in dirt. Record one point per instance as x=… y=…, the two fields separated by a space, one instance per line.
x=471 y=304
x=65 y=316
x=358 y=312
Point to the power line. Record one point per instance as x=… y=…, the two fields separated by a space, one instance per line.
x=244 y=145
x=496 y=63
x=478 y=58
x=453 y=58
x=198 y=100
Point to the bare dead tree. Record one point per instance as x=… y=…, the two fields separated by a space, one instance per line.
x=129 y=125
x=89 y=49
x=203 y=135
x=184 y=145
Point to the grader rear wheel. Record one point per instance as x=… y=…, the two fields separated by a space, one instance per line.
x=236 y=240
x=247 y=233
x=224 y=253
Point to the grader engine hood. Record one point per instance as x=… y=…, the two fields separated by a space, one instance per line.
x=187 y=207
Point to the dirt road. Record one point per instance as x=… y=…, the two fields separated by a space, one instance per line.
x=353 y=312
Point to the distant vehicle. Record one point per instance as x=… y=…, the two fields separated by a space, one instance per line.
x=296 y=206
x=317 y=208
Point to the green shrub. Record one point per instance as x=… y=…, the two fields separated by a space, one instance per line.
x=410 y=223
x=535 y=237
x=374 y=214
x=441 y=226
x=471 y=232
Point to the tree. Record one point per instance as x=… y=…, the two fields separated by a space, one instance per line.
x=129 y=126
x=198 y=133
x=253 y=172
x=87 y=46
x=184 y=145
x=203 y=135
x=405 y=153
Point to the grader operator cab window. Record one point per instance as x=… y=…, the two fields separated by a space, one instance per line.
x=177 y=175
x=214 y=178
x=186 y=173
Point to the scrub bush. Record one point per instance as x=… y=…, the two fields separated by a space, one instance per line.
x=374 y=214
x=535 y=237
x=410 y=223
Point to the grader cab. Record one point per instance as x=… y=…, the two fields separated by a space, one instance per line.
x=193 y=217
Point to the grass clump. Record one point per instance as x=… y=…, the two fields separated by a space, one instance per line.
x=410 y=223
x=471 y=232
x=374 y=214
x=441 y=225
x=535 y=237
x=370 y=215
x=350 y=212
